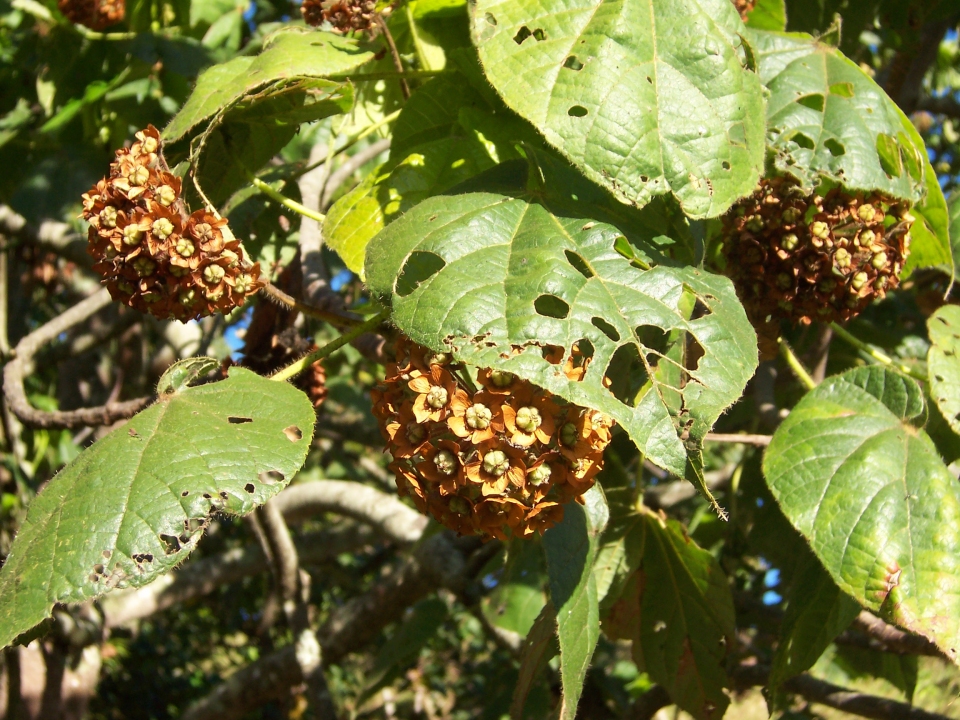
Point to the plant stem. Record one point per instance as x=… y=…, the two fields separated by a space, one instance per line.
x=796 y=366
x=876 y=354
x=288 y=301
x=306 y=361
x=284 y=200
x=394 y=53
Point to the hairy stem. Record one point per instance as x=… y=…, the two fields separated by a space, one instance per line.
x=796 y=366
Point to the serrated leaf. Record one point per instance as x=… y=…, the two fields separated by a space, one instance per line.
x=817 y=611
x=571 y=548
x=869 y=492
x=827 y=118
x=288 y=57
x=943 y=362
x=647 y=97
x=517 y=600
x=539 y=646
x=133 y=505
x=678 y=611
x=482 y=275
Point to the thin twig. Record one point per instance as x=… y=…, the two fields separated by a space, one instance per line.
x=295 y=368
x=51 y=235
x=21 y=365
x=796 y=366
x=893 y=638
x=744 y=438
x=875 y=354
x=337 y=319
x=394 y=53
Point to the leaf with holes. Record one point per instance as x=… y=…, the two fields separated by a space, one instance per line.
x=943 y=362
x=647 y=97
x=866 y=487
x=498 y=280
x=571 y=549
x=827 y=118
x=133 y=505
x=678 y=612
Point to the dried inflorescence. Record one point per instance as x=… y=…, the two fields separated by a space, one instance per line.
x=343 y=15
x=807 y=257
x=491 y=457
x=93 y=14
x=152 y=255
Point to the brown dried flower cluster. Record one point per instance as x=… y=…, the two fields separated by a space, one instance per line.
x=152 y=255
x=493 y=461
x=343 y=15
x=93 y=14
x=810 y=257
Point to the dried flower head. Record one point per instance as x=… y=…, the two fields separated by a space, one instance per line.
x=93 y=14
x=343 y=15
x=152 y=254
x=806 y=257
x=492 y=455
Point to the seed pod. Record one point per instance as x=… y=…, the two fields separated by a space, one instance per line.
x=825 y=258
x=495 y=457
x=152 y=254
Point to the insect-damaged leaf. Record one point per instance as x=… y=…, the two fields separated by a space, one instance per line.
x=133 y=505
x=498 y=280
x=647 y=97
x=866 y=487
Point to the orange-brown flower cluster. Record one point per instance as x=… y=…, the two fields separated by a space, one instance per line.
x=808 y=257
x=744 y=7
x=93 y=14
x=495 y=456
x=152 y=255
x=343 y=15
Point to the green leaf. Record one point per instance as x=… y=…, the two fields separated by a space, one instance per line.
x=647 y=97
x=519 y=597
x=768 y=15
x=817 y=611
x=289 y=57
x=571 y=548
x=678 y=611
x=476 y=275
x=858 y=664
x=869 y=492
x=943 y=363
x=953 y=217
x=621 y=549
x=827 y=118
x=539 y=646
x=133 y=505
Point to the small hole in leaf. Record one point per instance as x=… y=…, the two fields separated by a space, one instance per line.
x=694 y=352
x=234 y=420
x=579 y=264
x=171 y=544
x=418 y=268
x=572 y=63
x=939 y=378
x=551 y=306
x=207 y=496
x=93 y=577
x=106 y=554
x=539 y=35
x=889 y=153
x=725 y=165
x=652 y=338
x=625 y=374
x=432 y=218
x=522 y=34
x=98 y=568
x=577 y=111
x=271 y=477
x=814 y=101
x=491 y=20
x=250 y=488
x=184 y=493
x=835 y=147
x=606 y=328
x=553 y=354
x=843 y=89
x=803 y=141
x=644 y=178
x=293 y=433
x=224 y=494
x=649 y=79
x=194 y=524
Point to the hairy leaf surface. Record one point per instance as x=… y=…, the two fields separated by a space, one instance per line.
x=133 y=505
x=678 y=611
x=868 y=490
x=496 y=280
x=647 y=97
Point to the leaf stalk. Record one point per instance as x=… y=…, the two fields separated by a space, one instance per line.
x=875 y=354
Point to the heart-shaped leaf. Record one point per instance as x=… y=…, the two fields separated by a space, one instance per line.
x=647 y=97
x=499 y=280
x=133 y=505
x=855 y=476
